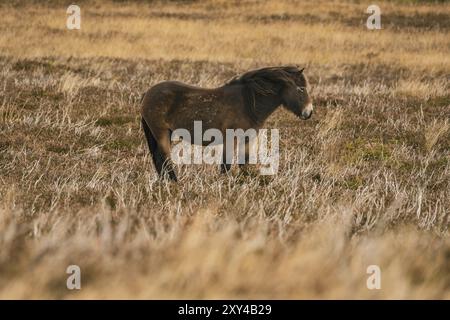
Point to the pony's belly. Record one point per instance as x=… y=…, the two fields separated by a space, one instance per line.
x=206 y=124
x=200 y=136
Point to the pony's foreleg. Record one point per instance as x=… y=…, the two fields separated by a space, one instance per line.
x=244 y=166
x=247 y=167
x=225 y=167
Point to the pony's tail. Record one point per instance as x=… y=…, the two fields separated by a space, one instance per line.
x=152 y=145
x=142 y=98
x=148 y=135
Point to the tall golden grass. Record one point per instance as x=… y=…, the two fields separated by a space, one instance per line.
x=365 y=182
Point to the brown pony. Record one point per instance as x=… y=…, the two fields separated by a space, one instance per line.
x=244 y=102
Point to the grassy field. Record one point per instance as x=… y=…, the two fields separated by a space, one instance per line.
x=365 y=181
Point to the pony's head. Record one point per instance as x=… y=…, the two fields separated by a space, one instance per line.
x=274 y=86
x=294 y=94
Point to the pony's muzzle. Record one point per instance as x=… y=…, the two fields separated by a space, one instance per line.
x=307 y=112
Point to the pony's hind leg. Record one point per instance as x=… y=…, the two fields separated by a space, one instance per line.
x=157 y=157
x=167 y=169
x=224 y=166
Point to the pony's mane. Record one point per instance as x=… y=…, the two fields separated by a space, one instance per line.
x=262 y=82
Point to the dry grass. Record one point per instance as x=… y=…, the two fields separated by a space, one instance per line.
x=365 y=181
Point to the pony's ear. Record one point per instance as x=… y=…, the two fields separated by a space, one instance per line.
x=299 y=69
x=290 y=97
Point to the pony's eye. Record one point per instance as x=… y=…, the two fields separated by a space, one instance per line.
x=301 y=89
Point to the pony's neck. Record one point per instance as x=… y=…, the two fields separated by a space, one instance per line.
x=264 y=107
